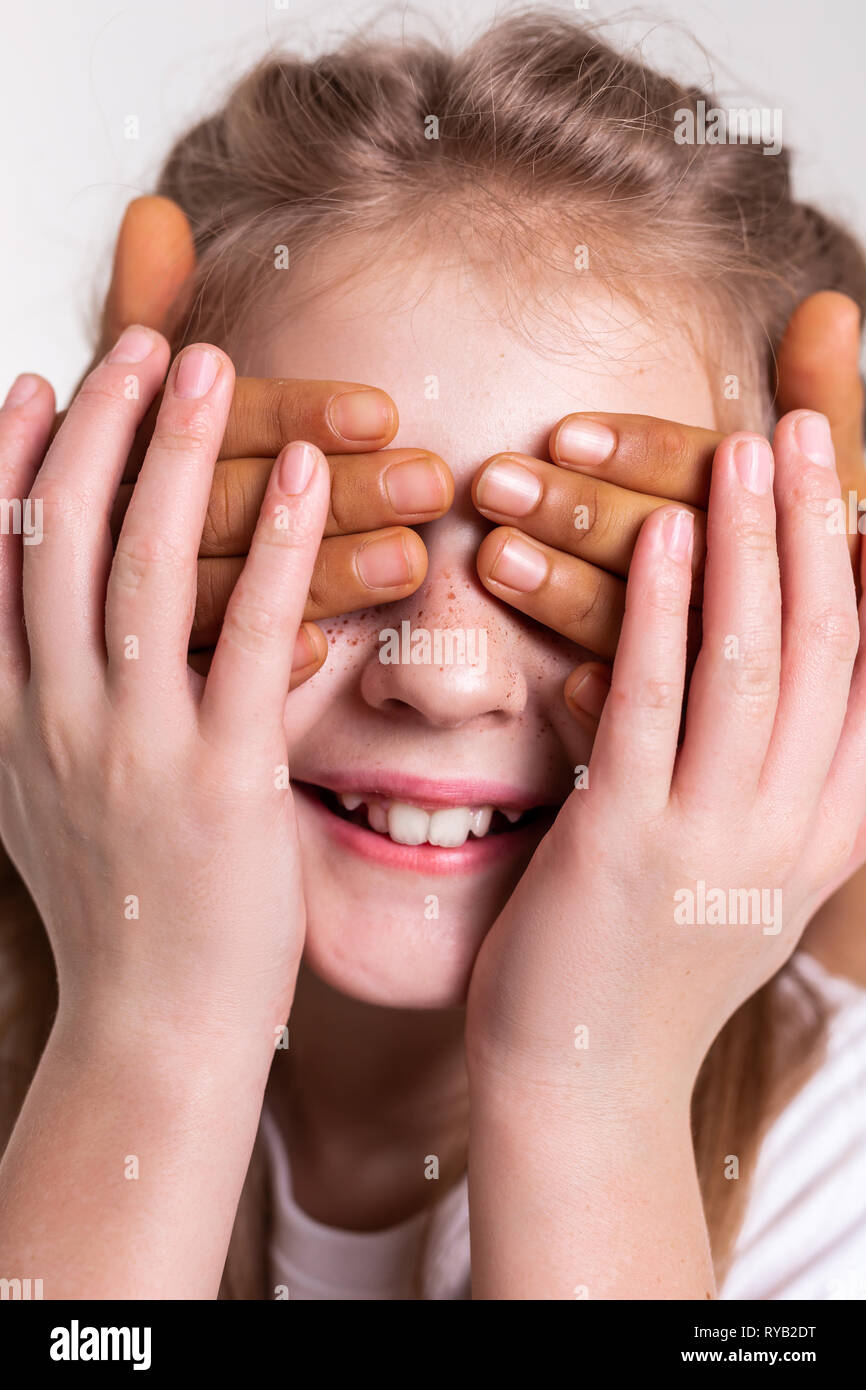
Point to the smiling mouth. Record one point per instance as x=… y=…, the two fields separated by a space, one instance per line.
x=404 y=823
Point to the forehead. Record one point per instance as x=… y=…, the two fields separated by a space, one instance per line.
x=477 y=364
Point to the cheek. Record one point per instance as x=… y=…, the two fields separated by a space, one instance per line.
x=353 y=639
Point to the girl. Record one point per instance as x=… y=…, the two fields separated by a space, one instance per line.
x=520 y=924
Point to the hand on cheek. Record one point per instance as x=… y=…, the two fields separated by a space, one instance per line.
x=761 y=796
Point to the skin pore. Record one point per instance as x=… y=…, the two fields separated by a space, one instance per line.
x=374 y=1079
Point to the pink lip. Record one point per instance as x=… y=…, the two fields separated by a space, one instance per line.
x=516 y=845
x=424 y=791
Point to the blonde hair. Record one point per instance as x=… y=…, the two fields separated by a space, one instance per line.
x=539 y=126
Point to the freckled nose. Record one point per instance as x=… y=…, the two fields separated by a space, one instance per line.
x=444 y=658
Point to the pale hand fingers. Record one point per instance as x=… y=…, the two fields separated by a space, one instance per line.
x=254 y=657
x=635 y=747
x=151 y=589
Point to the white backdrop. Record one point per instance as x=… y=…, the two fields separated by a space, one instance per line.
x=75 y=71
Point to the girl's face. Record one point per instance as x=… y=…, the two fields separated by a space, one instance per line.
x=390 y=923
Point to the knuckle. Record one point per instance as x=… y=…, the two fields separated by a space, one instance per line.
x=291 y=409
x=655 y=700
x=597 y=523
x=754 y=675
x=138 y=556
x=670 y=441
x=749 y=535
x=251 y=624
x=217 y=527
x=665 y=448
x=189 y=434
x=286 y=524
x=590 y=608
x=837 y=631
x=656 y=693
x=103 y=387
x=322 y=587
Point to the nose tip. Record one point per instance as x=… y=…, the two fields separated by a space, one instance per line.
x=445 y=659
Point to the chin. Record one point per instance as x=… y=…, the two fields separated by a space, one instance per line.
x=400 y=926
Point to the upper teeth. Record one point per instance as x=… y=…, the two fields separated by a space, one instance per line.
x=412 y=825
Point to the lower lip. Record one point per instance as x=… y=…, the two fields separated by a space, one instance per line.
x=424 y=859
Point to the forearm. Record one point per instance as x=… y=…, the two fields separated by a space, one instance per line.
x=584 y=1201
x=123 y=1174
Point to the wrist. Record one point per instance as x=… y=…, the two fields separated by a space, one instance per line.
x=609 y=1092
x=181 y=1047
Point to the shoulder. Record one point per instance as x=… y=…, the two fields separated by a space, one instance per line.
x=804 y=1234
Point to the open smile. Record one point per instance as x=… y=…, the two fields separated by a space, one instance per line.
x=427 y=827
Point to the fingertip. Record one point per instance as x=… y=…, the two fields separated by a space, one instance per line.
x=806 y=434
x=311 y=649
x=296 y=466
x=488 y=550
x=391 y=562
x=363 y=416
x=30 y=391
x=840 y=311
x=581 y=441
x=586 y=691
x=447 y=481
x=419 y=486
x=416 y=553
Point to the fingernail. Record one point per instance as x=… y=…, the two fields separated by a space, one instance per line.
x=196 y=373
x=584 y=441
x=754 y=462
x=296 y=467
x=22 y=389
x=508 y=488
x=519 y=566
x=814 y=439
x=383 y=563
x=361 y=415
x=415 y=486
x=590 y=693
x=678 y=529
x=133 y=345
x=305 y=653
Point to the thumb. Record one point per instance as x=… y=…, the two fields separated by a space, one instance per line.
x=153 y=260
x=819 y=369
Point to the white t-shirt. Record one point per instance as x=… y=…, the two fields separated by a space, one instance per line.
x=804 y=1234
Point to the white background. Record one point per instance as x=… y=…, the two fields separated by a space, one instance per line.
x=73 y=70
